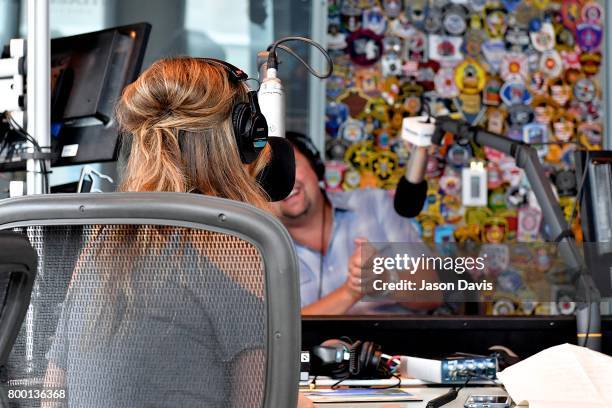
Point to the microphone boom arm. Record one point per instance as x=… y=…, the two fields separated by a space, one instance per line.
x=588 y=318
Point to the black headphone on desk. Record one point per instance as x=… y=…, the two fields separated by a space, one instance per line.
x=342 y=360
x=249 y=124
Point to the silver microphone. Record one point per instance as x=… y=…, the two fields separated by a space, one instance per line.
x=271 y=97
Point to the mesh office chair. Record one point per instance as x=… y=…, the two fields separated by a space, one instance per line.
x=156 y=300
x=17 y=273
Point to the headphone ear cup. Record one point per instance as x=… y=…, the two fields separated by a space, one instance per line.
x=319 y=167
x=241 y=114
x=341 y=370
x=366 y=355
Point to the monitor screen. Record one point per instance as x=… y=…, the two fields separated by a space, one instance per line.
x=88 y=74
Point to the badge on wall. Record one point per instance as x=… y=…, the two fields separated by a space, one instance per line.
x=589 y=36
x=494 y=51
x=445 y=83
x=590 y=62
x=333 y=175
x=495 y=120
x=570 y=12
x=454 y=19
x=538 y=83
x=496 y=21
x=542 y=35
x=551 y=64
x=352 y=179
x=392 y=8
x=514 y=66
x=515 y=93
x=352 y=131
x=491 y=91
x=374 y=20
x=560 y=92
x=365 y=47
x=585 y=90
x=536 y=134
x=470 y=77
x=517 y=39
x=445 y=48
x=529 y=220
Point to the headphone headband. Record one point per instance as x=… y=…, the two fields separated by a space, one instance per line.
x=249 y=123
x=236 y=74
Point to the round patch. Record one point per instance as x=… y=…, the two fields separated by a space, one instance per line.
x=470 y=77
x=592 y=13
x=365 y=47
x=551 y=64
x=515 y=93
x=544 y=38
x=352 y=131
x=458 y=156
x=352 y=179
x=584 y=90
x=454 y=20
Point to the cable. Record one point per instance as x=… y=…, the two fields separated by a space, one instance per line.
x=23 y=133
x=273 y=60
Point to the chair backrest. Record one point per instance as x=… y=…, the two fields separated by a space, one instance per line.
x=18 y=262
x=157 y=299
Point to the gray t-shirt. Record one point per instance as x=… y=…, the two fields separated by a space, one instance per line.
x=172 y=346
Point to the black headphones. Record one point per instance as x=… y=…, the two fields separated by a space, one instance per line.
x=341 y=360
x=249 y=124
x=308 y=149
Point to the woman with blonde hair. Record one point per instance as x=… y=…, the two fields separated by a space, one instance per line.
x=189 y=127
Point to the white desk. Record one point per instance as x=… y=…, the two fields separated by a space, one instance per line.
x=427 y=394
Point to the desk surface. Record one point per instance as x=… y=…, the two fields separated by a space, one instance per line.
x=426 y=393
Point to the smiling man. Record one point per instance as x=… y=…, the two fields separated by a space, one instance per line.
x=328 y=230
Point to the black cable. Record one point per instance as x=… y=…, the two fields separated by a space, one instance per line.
x=273 y=60
x=23 y=133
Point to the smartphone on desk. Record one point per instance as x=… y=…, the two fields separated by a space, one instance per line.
x=487 y=401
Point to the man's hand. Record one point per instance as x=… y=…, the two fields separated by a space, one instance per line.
x=361 y=255
x=345 y=296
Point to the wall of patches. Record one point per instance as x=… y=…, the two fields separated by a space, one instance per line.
x=529 y=70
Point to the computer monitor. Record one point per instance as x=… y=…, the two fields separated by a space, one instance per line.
x=88 y=73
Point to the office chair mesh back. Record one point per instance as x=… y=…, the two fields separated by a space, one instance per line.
x=143 y=316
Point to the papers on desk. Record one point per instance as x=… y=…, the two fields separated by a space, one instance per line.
x=564 y=376
x=360 y=395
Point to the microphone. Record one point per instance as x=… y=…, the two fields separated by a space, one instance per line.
x=271 y=96
x=278 y=177
x=411 y=191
